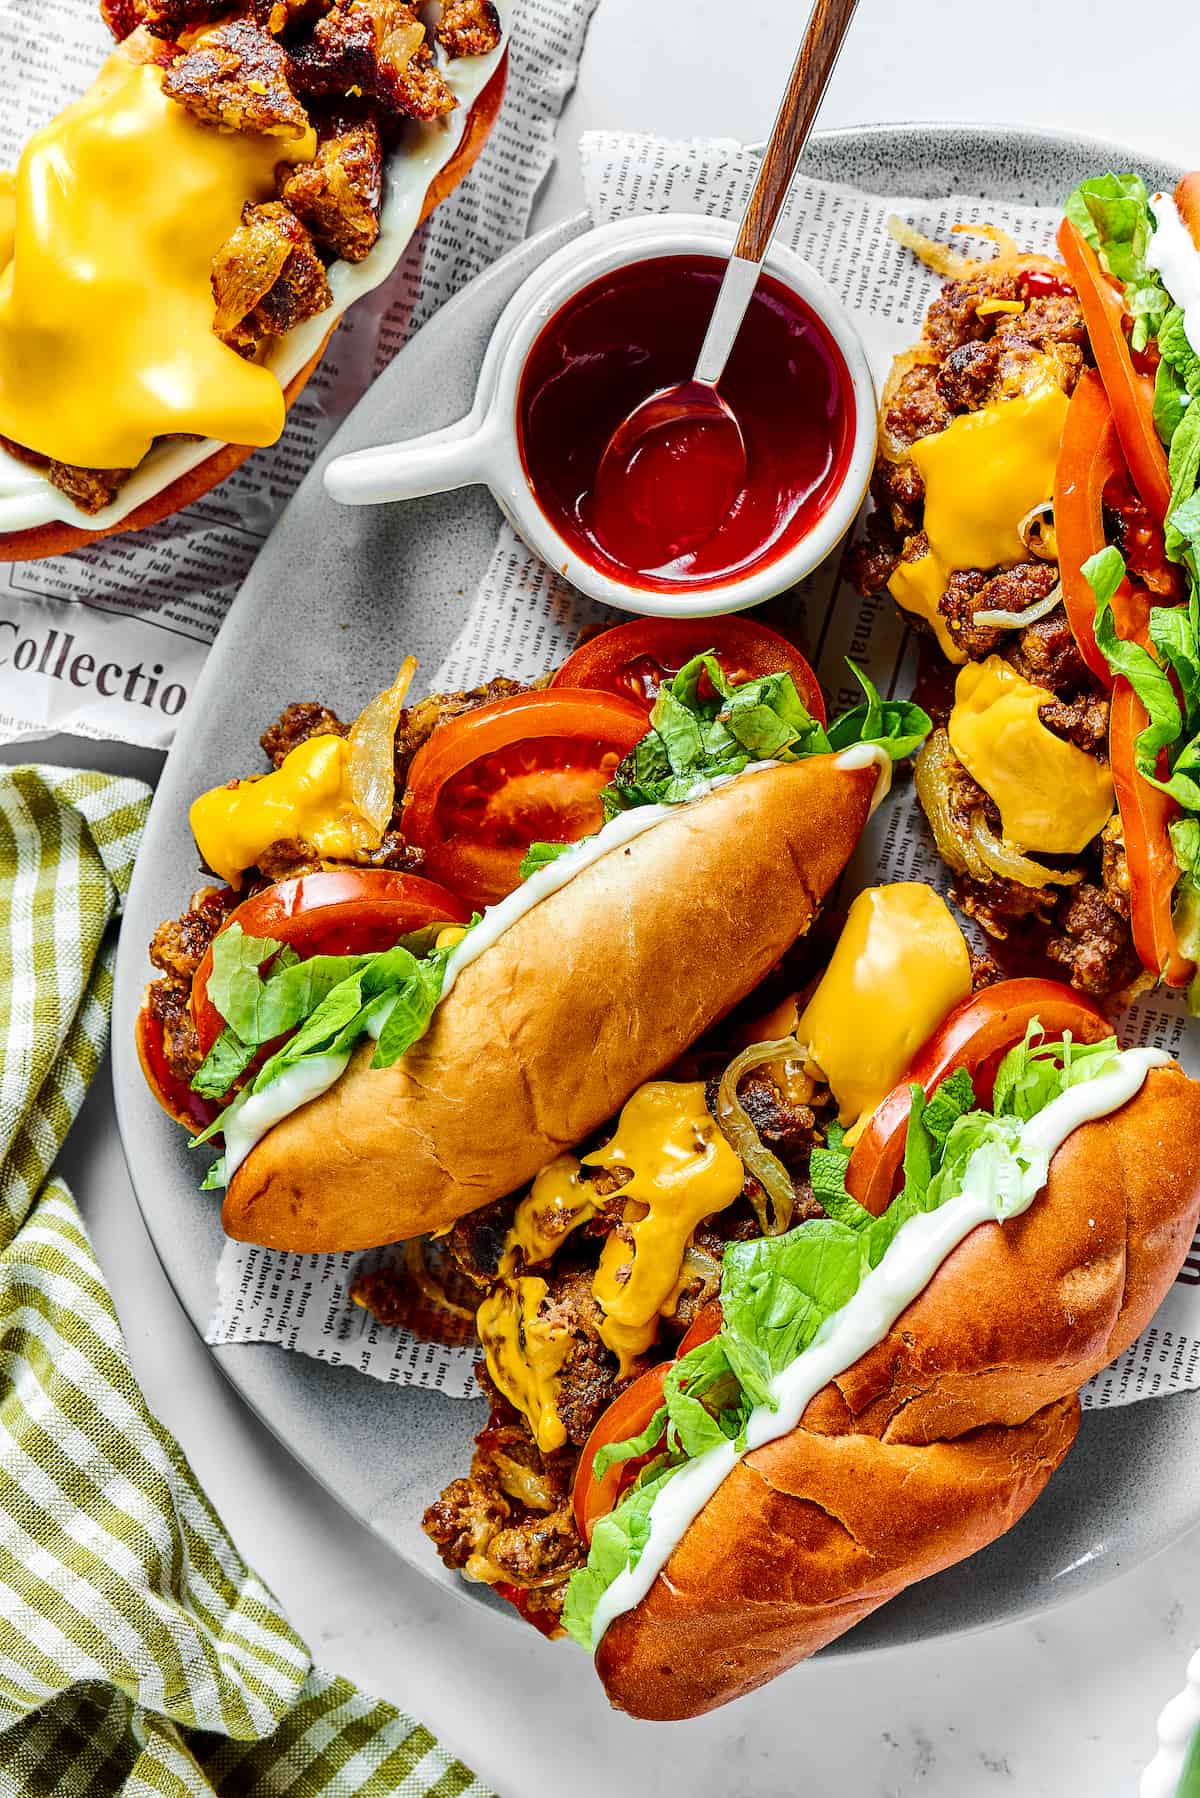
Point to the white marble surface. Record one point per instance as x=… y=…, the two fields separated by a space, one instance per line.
x=1063 y=1706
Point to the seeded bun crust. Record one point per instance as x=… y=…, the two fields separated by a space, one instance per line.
x=596 y=989
x=57 y=538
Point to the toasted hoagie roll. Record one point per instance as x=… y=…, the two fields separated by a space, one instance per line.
x=597 y=988
x=380 y=1052
x=952 y=1199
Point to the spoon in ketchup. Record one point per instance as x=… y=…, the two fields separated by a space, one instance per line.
x=675 y=465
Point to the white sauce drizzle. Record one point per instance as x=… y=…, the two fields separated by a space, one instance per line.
x=866 y=755
x=293 y=1088
x=914 y=1256
x=1177 y=1724
x=1172 y=251
x=614 y=835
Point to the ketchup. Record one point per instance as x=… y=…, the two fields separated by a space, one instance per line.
x=639 y=329
x=1040 y=283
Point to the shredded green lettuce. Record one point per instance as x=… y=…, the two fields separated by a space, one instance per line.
x=617 y=1542
x=697 y=735
x=1115 y=216
x=1167 y=751
x=323 y=1006
x=540 y=855
x=1177 y=377
x=778 y=1293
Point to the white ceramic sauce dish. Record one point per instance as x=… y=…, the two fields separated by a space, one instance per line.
x=483 y=448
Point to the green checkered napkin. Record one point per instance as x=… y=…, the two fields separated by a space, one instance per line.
x=138 y=1654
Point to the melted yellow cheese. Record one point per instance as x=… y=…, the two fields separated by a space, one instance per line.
x=899 y=966
x=984 y=472
x=683 y=1171
x=525 y=1353
x=8 y=216
x=106 y=306
x=307 y=799
x=918 y=586
x=558 y=1202
x=1052 y=796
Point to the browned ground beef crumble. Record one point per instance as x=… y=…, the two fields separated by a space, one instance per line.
x=178 y=945
x=357 y=70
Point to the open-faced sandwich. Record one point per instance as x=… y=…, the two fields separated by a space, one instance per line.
x=805 y=1321
x=454 y=938
x=177 y=245
x=1035 y=511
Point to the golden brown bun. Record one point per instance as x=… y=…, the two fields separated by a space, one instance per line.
x=598 y=988
x=57 y=538
x=802 y=1541
x=936 y=1441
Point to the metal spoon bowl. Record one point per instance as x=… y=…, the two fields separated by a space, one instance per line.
x=632 y=512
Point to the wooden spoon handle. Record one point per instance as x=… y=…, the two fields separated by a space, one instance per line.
x=806 y=86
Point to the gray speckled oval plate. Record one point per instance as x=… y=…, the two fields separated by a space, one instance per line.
x=329 y=599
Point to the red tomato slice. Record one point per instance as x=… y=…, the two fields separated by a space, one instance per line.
x=1088 y=460
x=176 y=1098
x=628 y=1415
x=637 y=658
x=705 y=1327
x=1130 y=391
x=1153 y=870
x=975 y=1035
x=518 y=1598
x=529 y=768
x=340 y=911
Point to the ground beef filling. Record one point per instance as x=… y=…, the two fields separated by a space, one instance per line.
x=964 y=362
x=510 y=1520
x=177 y=949
x=360 y=72
x=1081 y=932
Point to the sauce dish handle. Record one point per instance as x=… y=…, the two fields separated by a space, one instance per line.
x=462 y=455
